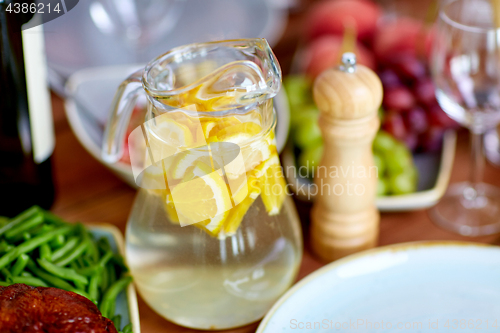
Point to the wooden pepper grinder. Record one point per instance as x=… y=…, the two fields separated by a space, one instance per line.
x=344 y=217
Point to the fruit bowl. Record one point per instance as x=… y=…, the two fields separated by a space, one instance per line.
x=434 y=170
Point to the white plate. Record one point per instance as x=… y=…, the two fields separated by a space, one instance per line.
x=91 y=92
x=434 y=174
x=73 y=42
x=415 y=287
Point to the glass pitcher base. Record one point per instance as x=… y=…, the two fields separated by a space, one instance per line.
x=214 y=301
x=200 y=281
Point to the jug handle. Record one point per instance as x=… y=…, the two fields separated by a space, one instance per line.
x=121 y=110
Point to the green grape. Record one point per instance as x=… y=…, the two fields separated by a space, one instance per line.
x=402 y=183
x=383 y=142
x=304 y=112
x=398 y=159
x=310 y=158
x=298 y=89
x=380 y=164
x=381 y=113
x=381 y=187
x=308 y=134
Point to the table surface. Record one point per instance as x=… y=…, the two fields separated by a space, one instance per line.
x=88 y=192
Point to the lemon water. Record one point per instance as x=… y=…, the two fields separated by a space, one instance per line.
x=200 y=281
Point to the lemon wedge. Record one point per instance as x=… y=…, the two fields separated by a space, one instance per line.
x=272 y=184
x=165 y=135
x=238 y=133
x=201 y=199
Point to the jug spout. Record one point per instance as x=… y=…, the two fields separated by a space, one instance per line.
x=233 y=73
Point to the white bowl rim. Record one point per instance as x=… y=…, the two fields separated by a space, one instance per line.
x=418 y=246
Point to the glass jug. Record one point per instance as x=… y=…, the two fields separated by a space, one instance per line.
x=212 y=240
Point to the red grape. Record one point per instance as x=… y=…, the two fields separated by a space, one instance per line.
x=411 y=140
x=408 y=66
x=394 y=124
x=398 y=99
x=432 y=140
x=416 y=120
x=389 y=78
x=424 y=91
x=439 y=118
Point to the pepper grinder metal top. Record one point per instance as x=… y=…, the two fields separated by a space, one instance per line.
x=344 y=218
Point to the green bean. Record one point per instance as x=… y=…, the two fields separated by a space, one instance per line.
x=78 y=285
x=59 y=253
x=58 y=242
x=103 y=244
x=110 y=295
x=42 y=229
x=26 y=274
x=93 y=287
x=19 y=219
x=81 y=293
x=3 y=220
x=72 y=255
x=103 y=280
x=5 y=272
x=111 y=309
x=20 y=264
x=20 y=238
x=4 y=246
x=51 y=218
x=63 y=273
x=88 y=271
x=87 y=261
x=111 y=274
x=118 y=260
x=91 y=270
x=31 y=281
x=30 y=245
x=117 y=320
x=45 y=252
x=19 y=229
x=127 y=329
x=94 y=251
x=51 y=280
x=79 y=261
x=5 y=283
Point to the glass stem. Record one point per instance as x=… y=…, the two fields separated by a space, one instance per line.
x=477 y=164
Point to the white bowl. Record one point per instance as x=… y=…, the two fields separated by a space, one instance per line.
x=412 y=287
x=434 y=174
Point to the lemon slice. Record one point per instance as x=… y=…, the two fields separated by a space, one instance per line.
x=215 y=125
x=238 y=133
x=189 y=158
x=165 y=132
x=201 y=199
x=236 y=216
x=272 y=184
x=170 y=208
x=214 y=225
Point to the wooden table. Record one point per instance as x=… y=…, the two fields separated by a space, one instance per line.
x=88 y=192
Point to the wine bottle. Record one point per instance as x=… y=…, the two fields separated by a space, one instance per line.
x=26 y=125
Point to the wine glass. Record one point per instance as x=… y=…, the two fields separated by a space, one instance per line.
x=465 y=65
x=139 y=22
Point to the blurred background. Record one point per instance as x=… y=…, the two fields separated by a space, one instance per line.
x=420 y=150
